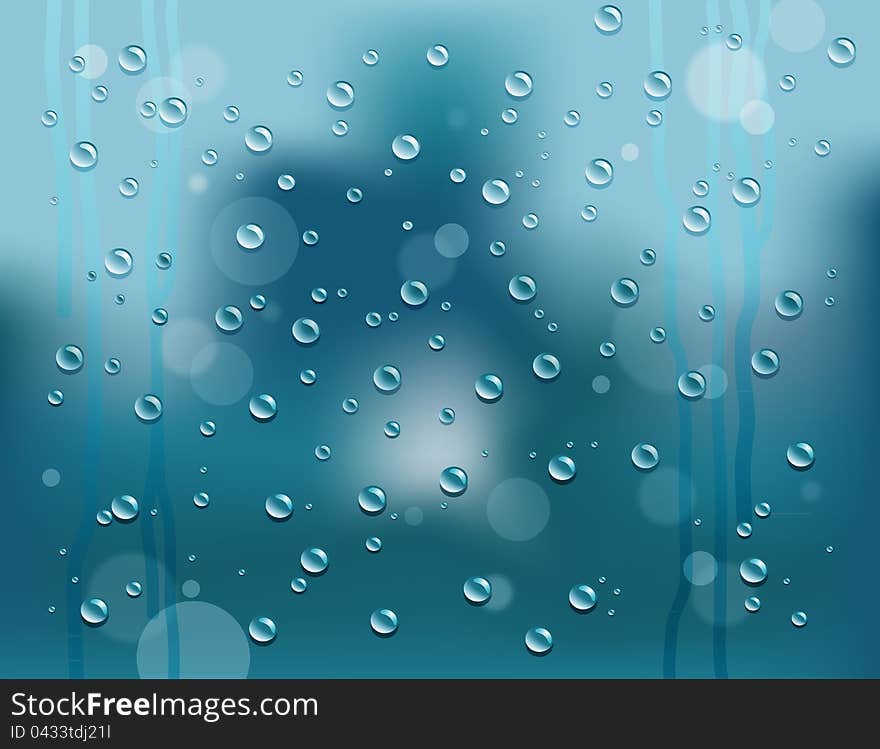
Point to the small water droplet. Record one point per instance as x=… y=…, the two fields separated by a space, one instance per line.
x=437 y=56
x=645 y=456
x=762 y=509
x=477 y=590
x=608 y=19
x=822 y=147
x=538 y=640
x=384 y=622
x=262 y=630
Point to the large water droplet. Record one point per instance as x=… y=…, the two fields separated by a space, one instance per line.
x=148 y=408
x=124 y=508
x=489 y=387
x=546 y=367
x=69 y=359
x=372 y=499
x=477 y=590
x=582 y=598
x=383 y=622
x=250 y=236
x=799 y=619
x=405 y=147
x=437 y=56
x=83 y=155
x=696 y=220
x=800 y=456
x=522 y=288
x=258 y=139
x=753 y=571
x=842 y=52
x=496 y=191
x=822 y=147
x=518 y=84
x=340 y=95
x=692 y=385
x=387 y=379
x=789 y=305
x=94 y=612
x=561 y=468
x=128 y=187
x=228 y=318
x=173 y=111
x=392 y=429
x=539 y=641
x=133 y=589
x=305 y=331
x=624 y=292
x=658 y=85
x=746 y=191
x=645 y=456
x=608 y=19
x=765 y=362
x=453 y=481
x=262 y=630
x=314 y=561
x=118 y=263
x=279 y=506
x=263 y=407
x=414 y=293
x=132 y=59
x=599 y=173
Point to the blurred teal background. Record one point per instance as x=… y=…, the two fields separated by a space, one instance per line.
x=719 y=456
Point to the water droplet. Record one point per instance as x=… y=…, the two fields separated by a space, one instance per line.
x=407 y=225
x=310 y=237
x=509 y=116
x=258 y=139
x=489 y=388
x=308 y=377
x=94 y=612
x=295 y=78
x=173 y=111
x=607 y=349
x=658 y=85
x=228 y=318
x=305 y=331
x=624 y=292
x=405 y=147
x=159 y=316
x=822 y=147
x=752 y=604
x=118 y=263
x=340 y=95
x=701 y=188
x=350 y=405
x=414 y=293
x=250 y=236
x=132 y=59
x=453 y=481
x=658 y=334
x=604 y=90
x=319 y=295
x=842 y=52
x=696 y=220
x=148 y=109
x=496 y=191
x=518 y=84
x=799 y=619
x=112 y=366
x=100 y=94
x=800 y=456
x=314 y=561
x=582 y=598
x=829 y=301
x=608 y=19
x=262 y=630
x=572 y=118
x=546 y=367
x=753 y=571
x=201 y=500
x=231 y=113
x=373 y=319
x=392 y=429
x=263 y=407
x=787 y=83
x=134 y=589
x=589 y=213
x=789 y=305
x=383 y=622
x=286 y=182
x=446 y=416
x=707 y=313
x=477 y=590
x=692 y=385
x=522 y=288
x=372 y=499
x=373 y=544
x=436 y=342
x=354 y=195
x=746 y=191
x=765 y=362
x=339 y=128
x=561 y=468
x=599 y=173
x=83 y=155
x=437 y=56
x=124 y=508
x=370 y=57
x=69 y=358
x=734 y=42
x=104 y=517
x=49 y=118
x=530 y=220
x=387 y=379
x=55 y=398
x=762 y=509
x=744 y=530
x=148 y=408
x=539 y=641
x=654 y=118
x=279 y=506
x=645 y=456
x=299 y=585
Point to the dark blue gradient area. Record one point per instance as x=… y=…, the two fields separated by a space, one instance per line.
x=204 y=581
